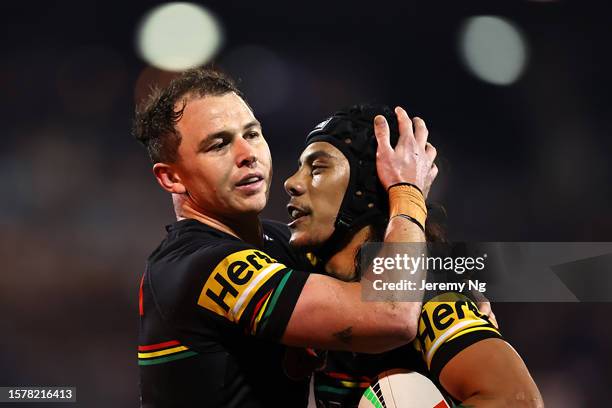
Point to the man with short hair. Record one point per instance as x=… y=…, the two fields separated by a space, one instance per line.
x=223 y=293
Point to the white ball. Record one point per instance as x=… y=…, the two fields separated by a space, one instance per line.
x=401 y=388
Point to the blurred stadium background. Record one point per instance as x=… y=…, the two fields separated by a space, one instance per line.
x=516 y=96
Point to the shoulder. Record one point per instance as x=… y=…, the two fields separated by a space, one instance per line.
x=276 y=229
x=449 y=323
x=277 y=236
x=189 y=258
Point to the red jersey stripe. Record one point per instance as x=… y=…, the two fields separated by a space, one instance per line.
x=140 y=307
x=158 y=345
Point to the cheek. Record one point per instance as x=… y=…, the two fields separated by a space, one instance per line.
x=323 y=225
x=332 y=193
x=211 y=178
x=263 y=155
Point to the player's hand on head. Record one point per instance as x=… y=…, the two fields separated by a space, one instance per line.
x=411 y=161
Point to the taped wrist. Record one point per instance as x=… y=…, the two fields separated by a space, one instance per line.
x=407 y=200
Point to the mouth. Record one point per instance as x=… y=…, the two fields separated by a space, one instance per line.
x=250 y=179
x=297 y=214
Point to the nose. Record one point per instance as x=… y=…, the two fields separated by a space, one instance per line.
x=294 y=186
x=246 y=154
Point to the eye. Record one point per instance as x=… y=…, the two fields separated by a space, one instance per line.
x=218 y=145
x=316 y=169
x=252 y=134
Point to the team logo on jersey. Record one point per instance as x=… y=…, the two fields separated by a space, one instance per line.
x=235 y=280
x=443 y=319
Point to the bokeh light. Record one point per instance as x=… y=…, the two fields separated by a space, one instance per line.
x=493 y=49
x=178 y=36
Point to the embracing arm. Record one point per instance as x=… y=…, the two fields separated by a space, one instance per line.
x=331 y=315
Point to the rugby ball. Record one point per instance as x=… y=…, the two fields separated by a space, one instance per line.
x=401 y=388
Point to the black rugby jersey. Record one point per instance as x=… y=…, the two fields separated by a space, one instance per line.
x=449 y=323
x=212 y=311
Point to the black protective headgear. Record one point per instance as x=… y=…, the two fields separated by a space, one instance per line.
x=365 y=200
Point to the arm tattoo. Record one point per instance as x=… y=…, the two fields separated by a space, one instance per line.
x=346 y=335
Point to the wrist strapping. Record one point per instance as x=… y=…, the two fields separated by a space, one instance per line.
x=407 y=200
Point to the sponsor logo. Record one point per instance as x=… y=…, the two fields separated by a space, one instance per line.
x=235 y=280
x=443 y=321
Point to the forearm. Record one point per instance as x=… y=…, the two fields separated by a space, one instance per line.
x=343 y=321
x=331 y=314
x=406 y=226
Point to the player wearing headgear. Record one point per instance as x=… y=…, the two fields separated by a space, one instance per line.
x=223 y=293
x=457 y=345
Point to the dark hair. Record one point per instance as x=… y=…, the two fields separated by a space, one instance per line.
x=155 y=119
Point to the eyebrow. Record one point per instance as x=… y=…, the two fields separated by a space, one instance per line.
x=225 y=133
x=317 y=154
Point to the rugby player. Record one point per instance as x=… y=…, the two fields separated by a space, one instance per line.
x=223 y=294
x=458 y=345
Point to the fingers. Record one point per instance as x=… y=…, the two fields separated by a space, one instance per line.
x=493 y=320
x=420 y=131
x=433 y=173
x=485 y=309
x=406 y=136
x=382 y=133
x=431 y=176
x=431 y=152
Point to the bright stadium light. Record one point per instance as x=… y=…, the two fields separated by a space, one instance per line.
x=493 y=49
x=178 y=36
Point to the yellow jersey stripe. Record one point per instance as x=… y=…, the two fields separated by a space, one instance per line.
x=248 y=293
x=162 y=352
x=448 y=334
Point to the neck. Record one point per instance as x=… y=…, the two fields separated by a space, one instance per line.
x=342 y=264
x=246 y=227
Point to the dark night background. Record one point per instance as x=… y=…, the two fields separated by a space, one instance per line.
x=80 y=210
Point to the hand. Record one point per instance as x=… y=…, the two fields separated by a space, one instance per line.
x=412 y=159
x=431 y=176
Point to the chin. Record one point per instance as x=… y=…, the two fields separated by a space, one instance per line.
x=302 y=241
x=298 y=240
x=254 y=205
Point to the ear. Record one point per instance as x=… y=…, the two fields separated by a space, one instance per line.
x=168 y=178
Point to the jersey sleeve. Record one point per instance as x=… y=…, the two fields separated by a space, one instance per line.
x=246 y=287
x=449 y=323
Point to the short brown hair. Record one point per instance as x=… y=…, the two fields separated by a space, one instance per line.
x=155 y=119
